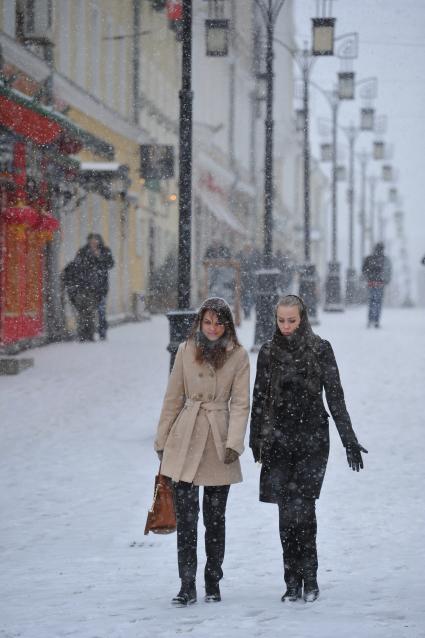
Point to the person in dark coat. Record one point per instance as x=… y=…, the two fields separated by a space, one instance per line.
x=289 y=436
x=87 y=283
x=248 y=265
x=377 y=271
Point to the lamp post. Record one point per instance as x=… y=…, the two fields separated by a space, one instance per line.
x=267 y=278
x=323 y=44
x=351 y=279
x=346 y=85
x=329 y=153
x=369 y=90
x=380 y=206
x=181 y=319
x=216 y=28
x=372 y=202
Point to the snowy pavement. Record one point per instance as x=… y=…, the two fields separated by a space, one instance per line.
x=77 y=468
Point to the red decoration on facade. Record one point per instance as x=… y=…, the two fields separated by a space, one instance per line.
x=174 y=10
x=21 y=216
x=47 y=222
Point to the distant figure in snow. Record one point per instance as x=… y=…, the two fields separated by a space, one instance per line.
x=86 y=280
x=249 y=264
x=216 y=250
x=377 y=272
x=289 y=436
x=200 y=437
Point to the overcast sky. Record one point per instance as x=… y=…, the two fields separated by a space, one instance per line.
x=392 y=47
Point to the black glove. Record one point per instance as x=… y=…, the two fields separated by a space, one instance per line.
x=256 y=452
x=354 y=456
x=230 y=456
x=160 y=454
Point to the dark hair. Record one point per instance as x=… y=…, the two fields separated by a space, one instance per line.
x=97 y=237
x=291 y=301
x=215 y=355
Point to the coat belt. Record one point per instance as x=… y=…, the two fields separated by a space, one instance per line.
x=193 y=406
x=209 y=406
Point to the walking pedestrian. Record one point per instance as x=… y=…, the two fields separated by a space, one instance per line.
x=289 y=436
x=248 y=266
x=86 y=280
x=200 y=437
x=377 y=272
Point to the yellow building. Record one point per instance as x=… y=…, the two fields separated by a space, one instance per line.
x=77 y=64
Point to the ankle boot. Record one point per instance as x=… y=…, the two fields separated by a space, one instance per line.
x=212 y=593
x=293 y=593
x=311 y=591
x=186 y=595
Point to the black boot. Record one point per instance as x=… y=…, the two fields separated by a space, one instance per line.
x=293 y=593
x=311 y=591
x=186 y=595
x=212 y=593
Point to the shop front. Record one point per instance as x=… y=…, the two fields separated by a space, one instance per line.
x=36 y=172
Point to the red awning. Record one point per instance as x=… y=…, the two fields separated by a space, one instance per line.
x=27 y=122
x=20 y=215
x=44 y=126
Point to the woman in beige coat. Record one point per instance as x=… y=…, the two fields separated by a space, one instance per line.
x=200 y=438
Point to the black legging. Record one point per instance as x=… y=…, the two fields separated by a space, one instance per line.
x=298 y=529
x=186 y=501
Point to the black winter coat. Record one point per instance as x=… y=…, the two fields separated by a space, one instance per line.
x=376 y=269
x=88 y=273
x=292 y=429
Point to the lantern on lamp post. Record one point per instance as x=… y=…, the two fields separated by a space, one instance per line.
x=367 y=118
x=341 y=173
x=217 y=37
x=323 y=36
x=393 y=195
x=378 y=150
x=346 y=85
x=387 y=172
x=299 y=120
x=326 y=152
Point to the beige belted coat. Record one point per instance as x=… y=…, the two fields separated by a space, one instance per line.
x=204 y=411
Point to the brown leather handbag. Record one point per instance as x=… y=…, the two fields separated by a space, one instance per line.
x=161 y=516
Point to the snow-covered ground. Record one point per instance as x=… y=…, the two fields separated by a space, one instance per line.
x=77 y=471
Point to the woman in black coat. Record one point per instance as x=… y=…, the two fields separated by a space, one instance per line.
x=289 y=436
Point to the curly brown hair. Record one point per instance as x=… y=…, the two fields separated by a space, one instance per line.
x=215 y=352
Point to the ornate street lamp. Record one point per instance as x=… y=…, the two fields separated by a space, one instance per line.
x=346 y=85
x=181 y=319
x=378 y=150
x=216 y=30
x=367 y=118
x=323 y=36
x=268 y=277
x=387 y=173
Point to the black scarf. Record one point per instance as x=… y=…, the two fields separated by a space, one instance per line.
x=211 y=350
x=295 y=376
